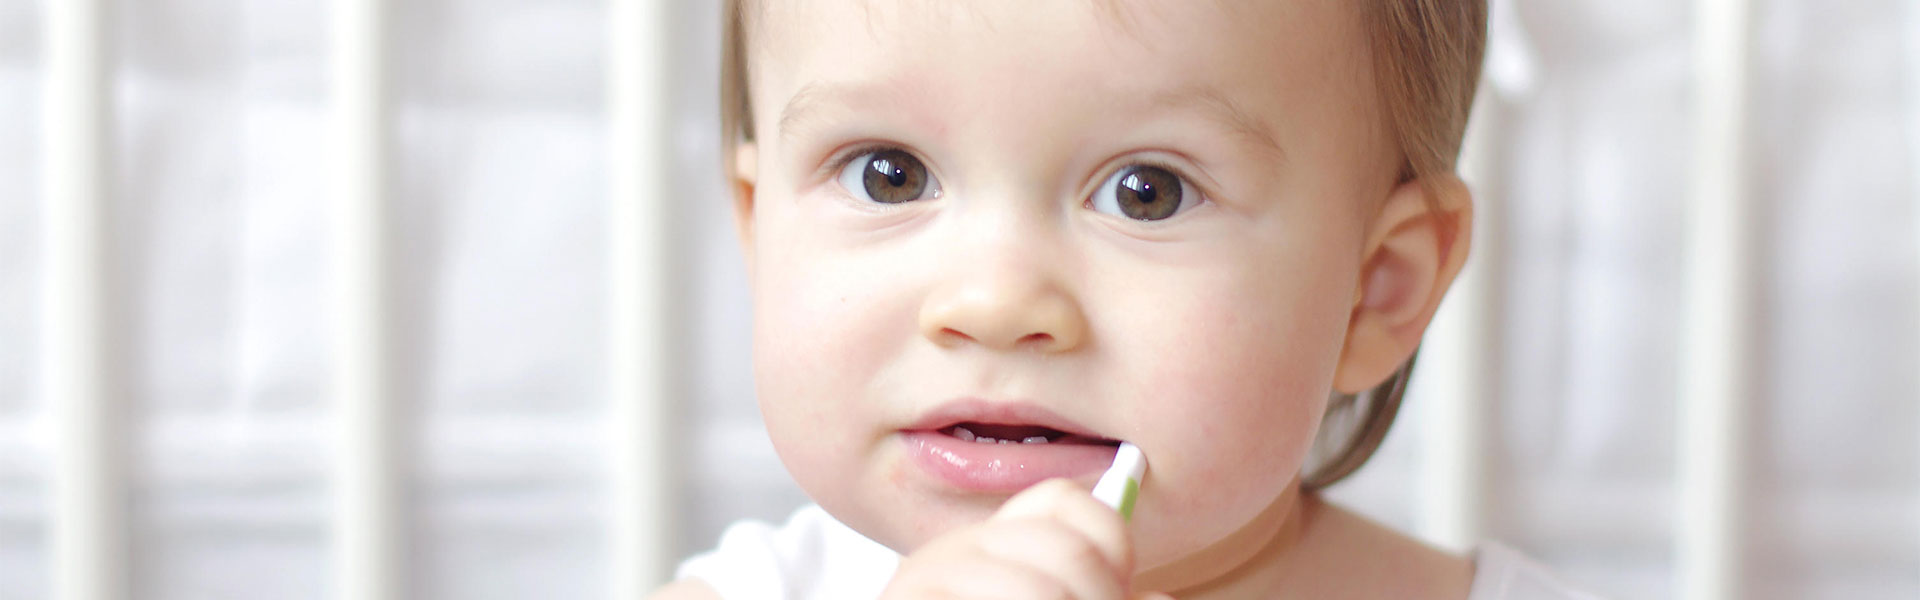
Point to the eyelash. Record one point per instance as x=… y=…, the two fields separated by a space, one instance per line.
x=840 y=160
x=1191 y=183
x=829 y=175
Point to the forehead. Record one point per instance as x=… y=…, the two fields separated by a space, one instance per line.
x=1137 y=20
x=1273 y=65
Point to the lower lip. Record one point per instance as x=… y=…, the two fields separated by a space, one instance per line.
x=1002 y=468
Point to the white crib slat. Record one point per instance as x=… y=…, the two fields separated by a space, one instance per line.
x=1456 y=362
x=639 y=437
x=1913 y=129
x=366 y=554
x=89 y=538
x=1715 y=371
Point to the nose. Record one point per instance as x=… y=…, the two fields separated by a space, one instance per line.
x=1009 y=308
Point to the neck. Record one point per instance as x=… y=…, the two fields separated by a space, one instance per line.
x=1250 y=563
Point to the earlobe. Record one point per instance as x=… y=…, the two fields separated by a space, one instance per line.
x=1416 y=245
x=744 y=175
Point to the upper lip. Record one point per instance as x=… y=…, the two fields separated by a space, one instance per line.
x=975 y=410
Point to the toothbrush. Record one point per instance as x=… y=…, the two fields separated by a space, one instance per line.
x=1121 y=483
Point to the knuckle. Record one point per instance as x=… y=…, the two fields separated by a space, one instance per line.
x=1057 y=536
x=1085 y=552
x=1048 y=589
x=1107 y=524
x=1086 y=557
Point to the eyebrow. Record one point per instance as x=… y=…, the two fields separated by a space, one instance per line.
x=1205 y=101
x=812 y=99
x=804 y=103
x=1215 y=106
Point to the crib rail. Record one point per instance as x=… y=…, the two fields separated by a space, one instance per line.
x=1716 y=368
x=641 y=277
x=1913 y=132
x=367 y=557
x=88 y=526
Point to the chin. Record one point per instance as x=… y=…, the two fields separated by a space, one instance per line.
x=899 y=516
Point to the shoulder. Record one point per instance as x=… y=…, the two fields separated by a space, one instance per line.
x=811 y=555
x=1394 y=565
x=1501 y=573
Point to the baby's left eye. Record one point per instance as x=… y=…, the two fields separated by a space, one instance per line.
x=1143 y=193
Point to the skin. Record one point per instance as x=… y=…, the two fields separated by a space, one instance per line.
x=1211 y=339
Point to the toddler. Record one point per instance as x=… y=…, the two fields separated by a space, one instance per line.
x=990 y=240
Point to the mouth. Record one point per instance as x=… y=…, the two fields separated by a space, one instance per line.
x=1000 y=448
x=981 y=421
x=990 y=433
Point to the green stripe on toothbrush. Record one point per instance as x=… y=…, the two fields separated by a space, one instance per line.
x=1120 y=485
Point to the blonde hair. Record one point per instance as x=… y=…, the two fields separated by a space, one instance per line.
x=1426 y=63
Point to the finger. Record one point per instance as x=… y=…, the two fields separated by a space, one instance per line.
x=1154 y=596
x=1038 y=497
x=957 y=567
x=998 y=580
x=1074 y=506
x=1056 y=549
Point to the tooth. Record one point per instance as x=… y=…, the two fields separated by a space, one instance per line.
x=985 y=440
x=965 y=435
x=1035 y=439
x=1005 y=441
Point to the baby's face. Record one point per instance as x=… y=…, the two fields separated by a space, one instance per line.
x=1054 y=224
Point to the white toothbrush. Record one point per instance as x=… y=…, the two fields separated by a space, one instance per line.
x=1121 y=483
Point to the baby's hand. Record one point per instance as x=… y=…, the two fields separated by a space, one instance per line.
x=1052 y=541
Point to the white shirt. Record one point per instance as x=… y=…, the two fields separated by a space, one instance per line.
x=815 y=557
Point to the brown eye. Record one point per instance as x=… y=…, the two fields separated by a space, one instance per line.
x=888 y=177
x=1141 y=193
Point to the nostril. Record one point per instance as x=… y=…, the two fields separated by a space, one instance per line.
x=1037 y=339
x=950 y=333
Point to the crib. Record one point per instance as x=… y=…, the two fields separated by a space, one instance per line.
x=1451 y=464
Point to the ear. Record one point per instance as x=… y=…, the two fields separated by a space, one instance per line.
x=1416 y=245
x=745 y=174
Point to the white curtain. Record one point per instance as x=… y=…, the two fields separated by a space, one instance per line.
x=219 y=233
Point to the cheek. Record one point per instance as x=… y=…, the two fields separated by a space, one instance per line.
x=1238 y=412
x=825 y=323
x=1230 y=406
x=820 y=314
x=802 y=373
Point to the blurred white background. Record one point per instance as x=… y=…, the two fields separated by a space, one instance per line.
x=220 y=242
